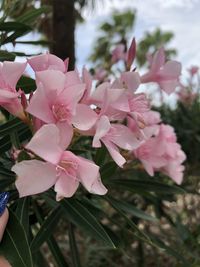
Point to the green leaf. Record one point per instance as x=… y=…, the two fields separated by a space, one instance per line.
x=145 y=186
x=6 y=144
x=53 y=246
x=56 y=252
x=5 y=172
x=46 y=229
x=32 y=15
x=108 y=170
x=11 y=126
x=14 y=26
x=22 y=212
x=5 y=55
x=12 y=37
x=27 y=84
x=80 y=216
x=14 y=246
x=73 y=246
x=100 y=155
x=40 y=42
x=129 y=208
x=137 y=232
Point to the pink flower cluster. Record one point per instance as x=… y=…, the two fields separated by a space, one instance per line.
x=113 y=114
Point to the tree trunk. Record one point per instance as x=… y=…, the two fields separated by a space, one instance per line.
x=64 y=30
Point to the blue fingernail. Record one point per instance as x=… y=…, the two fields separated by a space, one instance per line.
x=3 y=201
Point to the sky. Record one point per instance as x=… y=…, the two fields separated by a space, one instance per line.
x=182 y=17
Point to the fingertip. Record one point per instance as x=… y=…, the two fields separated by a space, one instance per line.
x=3 y=222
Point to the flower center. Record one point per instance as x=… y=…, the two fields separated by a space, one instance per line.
x=60 y=112
x=67 y=166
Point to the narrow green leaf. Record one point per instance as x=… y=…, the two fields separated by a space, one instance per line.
x=80 y=216
x=40 y=42
x=56 y=252
x=13 y=26
x=22 y=212
x=129 y=208
x=137 y=232
x=11 y=126
x=12 y=37
x=53 y=246
x=6 y=144
x=108 y=170
x=100 y=155
x=146 y=185
x=73 y=246
x=32 y=15
x=46 y=229
x=5 y=55
x=14 y=246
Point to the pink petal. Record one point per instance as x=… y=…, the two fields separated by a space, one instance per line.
x=99 y=94
x=119 y=100
x=88 y=173
x=45 y=62
x=34 y=177
x=87 y=79
x=7 y=96
x=66 y=134
x=84 y=118
x=102 y=128
x=12 y=71
x=114 y=152
x=72 y=94
x=51 y=80
x=14 y=107
x=72 y=78
x=171 y=69
x=158 y=60
x=132 y=80
x=46 y=143
x=168 y=86
x=65 y=186
x=98 y=187
x=40 y=107
x=123 y=137
x=148 y=167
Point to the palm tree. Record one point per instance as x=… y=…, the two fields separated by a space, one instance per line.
x=64 y=23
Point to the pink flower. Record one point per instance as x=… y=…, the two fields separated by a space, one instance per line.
x=61 y=168
x=162 y=153
x=118 y=53
x=47 y=62
x=56 y=101
x=10 y=73
x=166 y=74
x=114 y=136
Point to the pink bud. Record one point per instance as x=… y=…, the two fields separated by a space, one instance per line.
x=131 y=53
